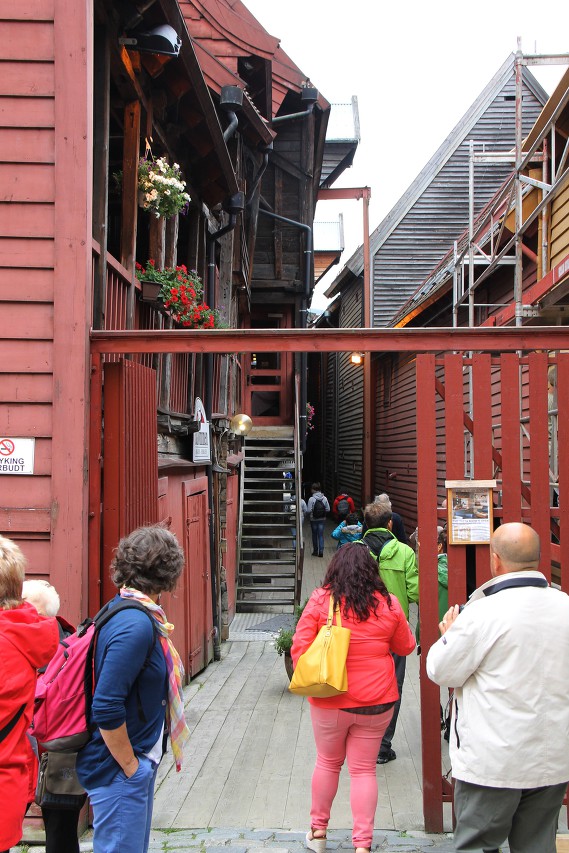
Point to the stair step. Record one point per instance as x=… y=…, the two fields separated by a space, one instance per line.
x=268 y=588
x=268 y=536
x=260 y=513
x=264 y=577
x=266 y=491
x=286 y=459
x=267 y=562
x=264 y=602
x=256 y=550
x=256 y=469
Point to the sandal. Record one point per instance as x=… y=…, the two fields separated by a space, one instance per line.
x=316 y=843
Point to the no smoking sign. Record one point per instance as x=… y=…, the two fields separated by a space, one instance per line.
x=17 y=455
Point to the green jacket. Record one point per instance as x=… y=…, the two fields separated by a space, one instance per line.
x=397 y=565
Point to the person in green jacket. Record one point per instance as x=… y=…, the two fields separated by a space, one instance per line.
x=398 y=569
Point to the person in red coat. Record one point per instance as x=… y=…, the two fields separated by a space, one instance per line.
x=337 y=514
x=349 y=726
x=27 y=642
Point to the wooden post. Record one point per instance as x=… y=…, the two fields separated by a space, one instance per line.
x=369 y=396
x=130 y=196
x=170 y=260
x=101 y=111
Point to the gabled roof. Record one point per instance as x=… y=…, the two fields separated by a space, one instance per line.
x=227 y=31
x=354 y=265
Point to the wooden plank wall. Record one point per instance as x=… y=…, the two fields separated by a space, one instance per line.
x=45 y=177
x=27 y=253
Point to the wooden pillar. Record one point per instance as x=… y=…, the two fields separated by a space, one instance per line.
x=130 y=196
x=170 y=260
x=101 y=114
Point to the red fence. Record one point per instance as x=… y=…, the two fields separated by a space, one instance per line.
x=489 y=418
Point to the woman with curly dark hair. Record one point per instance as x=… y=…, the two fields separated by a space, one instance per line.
x=137 y=701
x=351 y=725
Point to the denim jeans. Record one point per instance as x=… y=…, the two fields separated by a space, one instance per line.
x=122 y=811
x=317 y=535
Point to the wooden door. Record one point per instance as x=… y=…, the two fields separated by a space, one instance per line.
x=268 y=391
x=198 y=582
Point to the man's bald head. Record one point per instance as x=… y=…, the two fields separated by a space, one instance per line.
x=515 y=548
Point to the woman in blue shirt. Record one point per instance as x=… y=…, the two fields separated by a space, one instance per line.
x=137 y=699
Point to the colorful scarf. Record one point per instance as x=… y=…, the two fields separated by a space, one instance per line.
x=175 y=719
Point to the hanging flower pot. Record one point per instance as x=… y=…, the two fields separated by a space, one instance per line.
x=180 y=292
x=161 y=189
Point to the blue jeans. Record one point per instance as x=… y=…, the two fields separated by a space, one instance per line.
x=317 y=535
x=122 y=811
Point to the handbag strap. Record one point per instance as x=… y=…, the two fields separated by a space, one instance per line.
x=331 y=609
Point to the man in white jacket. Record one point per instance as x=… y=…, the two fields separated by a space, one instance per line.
x=507 y=656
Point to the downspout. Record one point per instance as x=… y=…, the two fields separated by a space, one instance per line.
x=236 y=204
x=308 y=95
x=303 y=313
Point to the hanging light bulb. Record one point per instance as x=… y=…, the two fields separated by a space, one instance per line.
x=240 y=424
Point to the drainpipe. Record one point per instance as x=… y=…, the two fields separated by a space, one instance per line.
x=303 y=312
x=265 y=150
x=235 y=206
x=308 y=95
x=231 y=100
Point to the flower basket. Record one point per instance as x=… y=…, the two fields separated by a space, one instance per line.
x=180 y=292
x=161 y=189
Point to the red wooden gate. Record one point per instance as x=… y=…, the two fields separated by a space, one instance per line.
x=198 y=577
x=485 y=418
x=130 y=454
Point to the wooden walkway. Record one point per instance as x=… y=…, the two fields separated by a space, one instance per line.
x=250 y=758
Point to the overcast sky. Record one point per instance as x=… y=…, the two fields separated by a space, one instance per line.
x=415 y=68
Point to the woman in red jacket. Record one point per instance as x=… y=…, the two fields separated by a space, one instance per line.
x=351 y=725
x=27 y=642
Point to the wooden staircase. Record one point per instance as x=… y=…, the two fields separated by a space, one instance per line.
x=268 y=553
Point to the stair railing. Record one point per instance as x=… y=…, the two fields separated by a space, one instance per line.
x=299 y=539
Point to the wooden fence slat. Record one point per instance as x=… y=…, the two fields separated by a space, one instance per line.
x=427 y=517
x=510 y=437
x=539 y=455
x=454 y=428
x=483 y=465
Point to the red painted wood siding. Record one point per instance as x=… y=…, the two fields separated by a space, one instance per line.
x=45 y=143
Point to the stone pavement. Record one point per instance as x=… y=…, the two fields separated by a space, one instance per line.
x=276 y=841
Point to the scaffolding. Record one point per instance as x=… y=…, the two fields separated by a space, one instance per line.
x=522 y=200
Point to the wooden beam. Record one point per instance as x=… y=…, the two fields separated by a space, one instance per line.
x=332 y=340
x=101 y=113
x=131 y=152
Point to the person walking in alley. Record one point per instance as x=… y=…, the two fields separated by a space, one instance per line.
x=317 y=508
x=348 y=530
x=507 y=656
x=398 y=569
x=351 y=725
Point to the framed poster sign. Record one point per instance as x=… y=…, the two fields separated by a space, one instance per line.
x=469 y=504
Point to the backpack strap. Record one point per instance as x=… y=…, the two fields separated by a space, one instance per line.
x=104 y=615
x=5 y=730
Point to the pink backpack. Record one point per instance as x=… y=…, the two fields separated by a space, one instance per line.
x=64 y=692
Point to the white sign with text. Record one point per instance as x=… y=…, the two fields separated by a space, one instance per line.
x=201 y=447
x=17 y=455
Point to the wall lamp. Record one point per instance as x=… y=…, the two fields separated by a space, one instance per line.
x=240 y=424
x=163 y=39
x=357 y=358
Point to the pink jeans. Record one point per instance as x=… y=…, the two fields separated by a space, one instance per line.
x=357 y=737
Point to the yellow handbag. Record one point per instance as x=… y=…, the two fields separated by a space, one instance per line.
x=321 y=669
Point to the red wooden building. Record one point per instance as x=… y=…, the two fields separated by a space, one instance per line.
x=85 y=90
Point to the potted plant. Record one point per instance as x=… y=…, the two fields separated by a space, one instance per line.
x=282 y=640
x=161 y=189
x=181 y=293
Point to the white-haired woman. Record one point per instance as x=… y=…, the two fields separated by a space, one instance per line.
x=61 y=815
x=27 y=641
